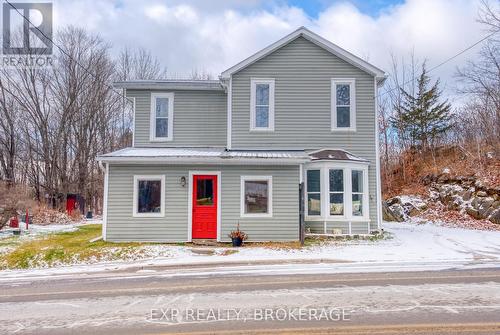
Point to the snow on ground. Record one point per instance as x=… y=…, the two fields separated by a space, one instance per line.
x=407 y=244
x=36 y=230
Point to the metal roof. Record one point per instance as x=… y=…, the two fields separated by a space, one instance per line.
x=210 y=85
x=205 y=155
x=334 y=155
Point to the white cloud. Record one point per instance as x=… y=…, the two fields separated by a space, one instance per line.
x=191 y=34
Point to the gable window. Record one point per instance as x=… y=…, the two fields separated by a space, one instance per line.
x=256 y=196
x=162 y=113
x=313 y=192
x=336 y=177
x=343 y=104
x=262 y=104
x=149 y=195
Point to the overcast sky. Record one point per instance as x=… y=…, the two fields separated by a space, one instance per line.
x=214 y=35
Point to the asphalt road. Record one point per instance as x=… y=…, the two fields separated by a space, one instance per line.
x=430 y=302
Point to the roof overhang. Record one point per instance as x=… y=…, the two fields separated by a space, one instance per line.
x=203 y=156
x=200 y=85
x=316 y=39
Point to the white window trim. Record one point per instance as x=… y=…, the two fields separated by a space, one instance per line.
x=320 y=194
x=269 y=180
x=138 y=178
x=352 y=103
x=253 y=89
x=324 y=167
x=344 y=192
x=152 y=118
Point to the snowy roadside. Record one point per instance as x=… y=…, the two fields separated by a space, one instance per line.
x=411 y=246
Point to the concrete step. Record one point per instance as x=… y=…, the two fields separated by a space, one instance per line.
x=205 y=242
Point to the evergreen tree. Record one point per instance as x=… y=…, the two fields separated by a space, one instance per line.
x=421 y=118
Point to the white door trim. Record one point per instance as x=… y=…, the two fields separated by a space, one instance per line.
x=190 y=201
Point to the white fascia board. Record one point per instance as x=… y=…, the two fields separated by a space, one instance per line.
x=201 y=161
x=316 y=39
x=167 y=86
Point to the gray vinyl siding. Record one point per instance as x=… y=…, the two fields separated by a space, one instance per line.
x=173 y=227
x=318 y=227
x=303 y=73
x=315 y=227
x=200 y=119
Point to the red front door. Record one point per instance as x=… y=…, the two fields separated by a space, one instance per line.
x=204 y=206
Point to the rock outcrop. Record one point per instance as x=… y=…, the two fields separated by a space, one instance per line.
x=461 y=193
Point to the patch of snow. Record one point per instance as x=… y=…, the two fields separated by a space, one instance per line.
x=446 y=170
x=411 y=244
x=414 y=200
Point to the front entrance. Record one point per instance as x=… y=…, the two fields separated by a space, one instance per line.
x=204 y=206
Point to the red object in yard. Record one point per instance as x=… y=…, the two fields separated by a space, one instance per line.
x=70 y=204
x=14 y=222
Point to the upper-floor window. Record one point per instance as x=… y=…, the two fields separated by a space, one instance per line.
x=162 y=116
x=343 y=104
x=262 y=104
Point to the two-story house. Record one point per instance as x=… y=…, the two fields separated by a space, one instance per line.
x=210 y=154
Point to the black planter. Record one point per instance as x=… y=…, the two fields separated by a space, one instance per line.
x=237 y=242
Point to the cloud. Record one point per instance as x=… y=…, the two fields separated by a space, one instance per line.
x=188 y=35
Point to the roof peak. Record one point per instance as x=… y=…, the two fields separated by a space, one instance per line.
x=314 y=38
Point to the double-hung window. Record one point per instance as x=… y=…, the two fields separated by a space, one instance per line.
x=262 y=104
x=357 y=192
x=336 y=179
x=343 y=104
x=313 y=192
x=162 y=116
x=256 y=196
x=149 y=196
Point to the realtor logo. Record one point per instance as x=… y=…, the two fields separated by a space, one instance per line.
x=33 y=35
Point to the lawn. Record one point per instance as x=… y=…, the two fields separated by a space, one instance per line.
x=60 y=248
x=72 y=248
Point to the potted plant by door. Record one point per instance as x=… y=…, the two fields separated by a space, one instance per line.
x=237 y=236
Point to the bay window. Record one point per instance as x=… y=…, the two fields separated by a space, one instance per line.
x=336 y=191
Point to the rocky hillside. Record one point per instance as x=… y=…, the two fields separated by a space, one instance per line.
x=463 y=201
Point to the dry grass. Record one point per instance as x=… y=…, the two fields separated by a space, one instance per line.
x=404 y=178
x=60 y=248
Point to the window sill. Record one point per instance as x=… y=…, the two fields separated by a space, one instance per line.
x=160 y=139
x=148 y=215
x=349 y=130
x=258 y=130
x=255 y=216
x=337 y=219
